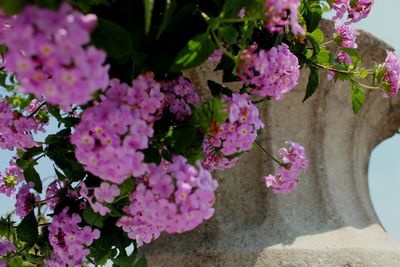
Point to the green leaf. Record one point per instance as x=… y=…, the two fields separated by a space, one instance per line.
x=31 y=175
x=229 y=34
x=93 y=218
x=313 y=82
x=209 y=114
x=314 y=43
x=152 y=155
x=312 y=14
x=170 y=6
x=196 y=51
x=318 y=35
x=181 y=139
x=27 y=230
x=55 y=111
x=142 y=262
x=5 y=226
x=218 y=89
x=31 y=152
x=357 y=97
x=148 y=13
x=363 y=73
x=231 y=8
x=113 y=38
x=11 y=7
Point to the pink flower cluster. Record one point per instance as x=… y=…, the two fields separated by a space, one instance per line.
x=10 y=179
x=280 y=14
x=172 y=197
x=52 y=193
x=238 y=133
x=16 y=129
x=216 y=55
x=270 y=73
x=392 y=73
x=215 y=160
x=103 y=194
x=6 y=246
x=26 y=200
x=179 y=97
x=111 y=134
x=294 y=161
x=345 y=37
x=68 y=240
x=356 y=10
x=47 y=51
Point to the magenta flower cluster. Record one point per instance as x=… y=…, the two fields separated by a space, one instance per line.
x=270 y=73
x=16 y=129
x=215 y=159
x=48 y=52
x=26 y=200
x=111 y=134
x=69 y=240
x=280 y=14
x=345 y=37
x=392 y=73
x=352 y=10
x=100 y=196
x=172 y=197
x=10 y=179
x=179 y=97
x=293 y=163
x=6 y=246
x=238 y=133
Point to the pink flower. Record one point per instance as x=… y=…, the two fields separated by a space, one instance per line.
x=48 y=52
x=12 y=177
x=236 y=134
x=106 y=192
x=6 y=246
x=294 y=161
x=112 y=134
x=356 y=10
x=179 y=97
x=280 y=14
x=172 y=197
x=345 y=36
x=216 y=55
x=69 y=240
x=391 y=75
x=26 y=201
x=270 y=73
x=16 y=129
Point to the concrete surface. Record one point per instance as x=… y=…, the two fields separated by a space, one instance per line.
x=329 y=219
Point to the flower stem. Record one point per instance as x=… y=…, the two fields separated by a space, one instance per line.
x=222 y=47
x=37 y=109
x=267 y=153
x=366 y=86
x=332 y=69
x=233 y=20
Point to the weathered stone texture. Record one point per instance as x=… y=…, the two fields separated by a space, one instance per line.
x=329 y=219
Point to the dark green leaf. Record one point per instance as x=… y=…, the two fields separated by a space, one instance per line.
x=93 y=218
x=209 y=115
x=113 y=38
x=152 y=155
x=231 y=8
x=31 y=152
x=55 y=111
x=142 y=262
x=181 y=139
x=31 y=175
x=312 y=13
x=229 y=34
x=196 y=51
x=170 y=6
x=12 y=7
x=27 y=230
x=357 y=97
x=313 y=82
x=218 y=89
x=148 y=13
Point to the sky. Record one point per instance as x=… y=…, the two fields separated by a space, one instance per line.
x=384 y=168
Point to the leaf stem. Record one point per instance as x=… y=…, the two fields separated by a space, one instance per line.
x=332 y=69
x=267 y=153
